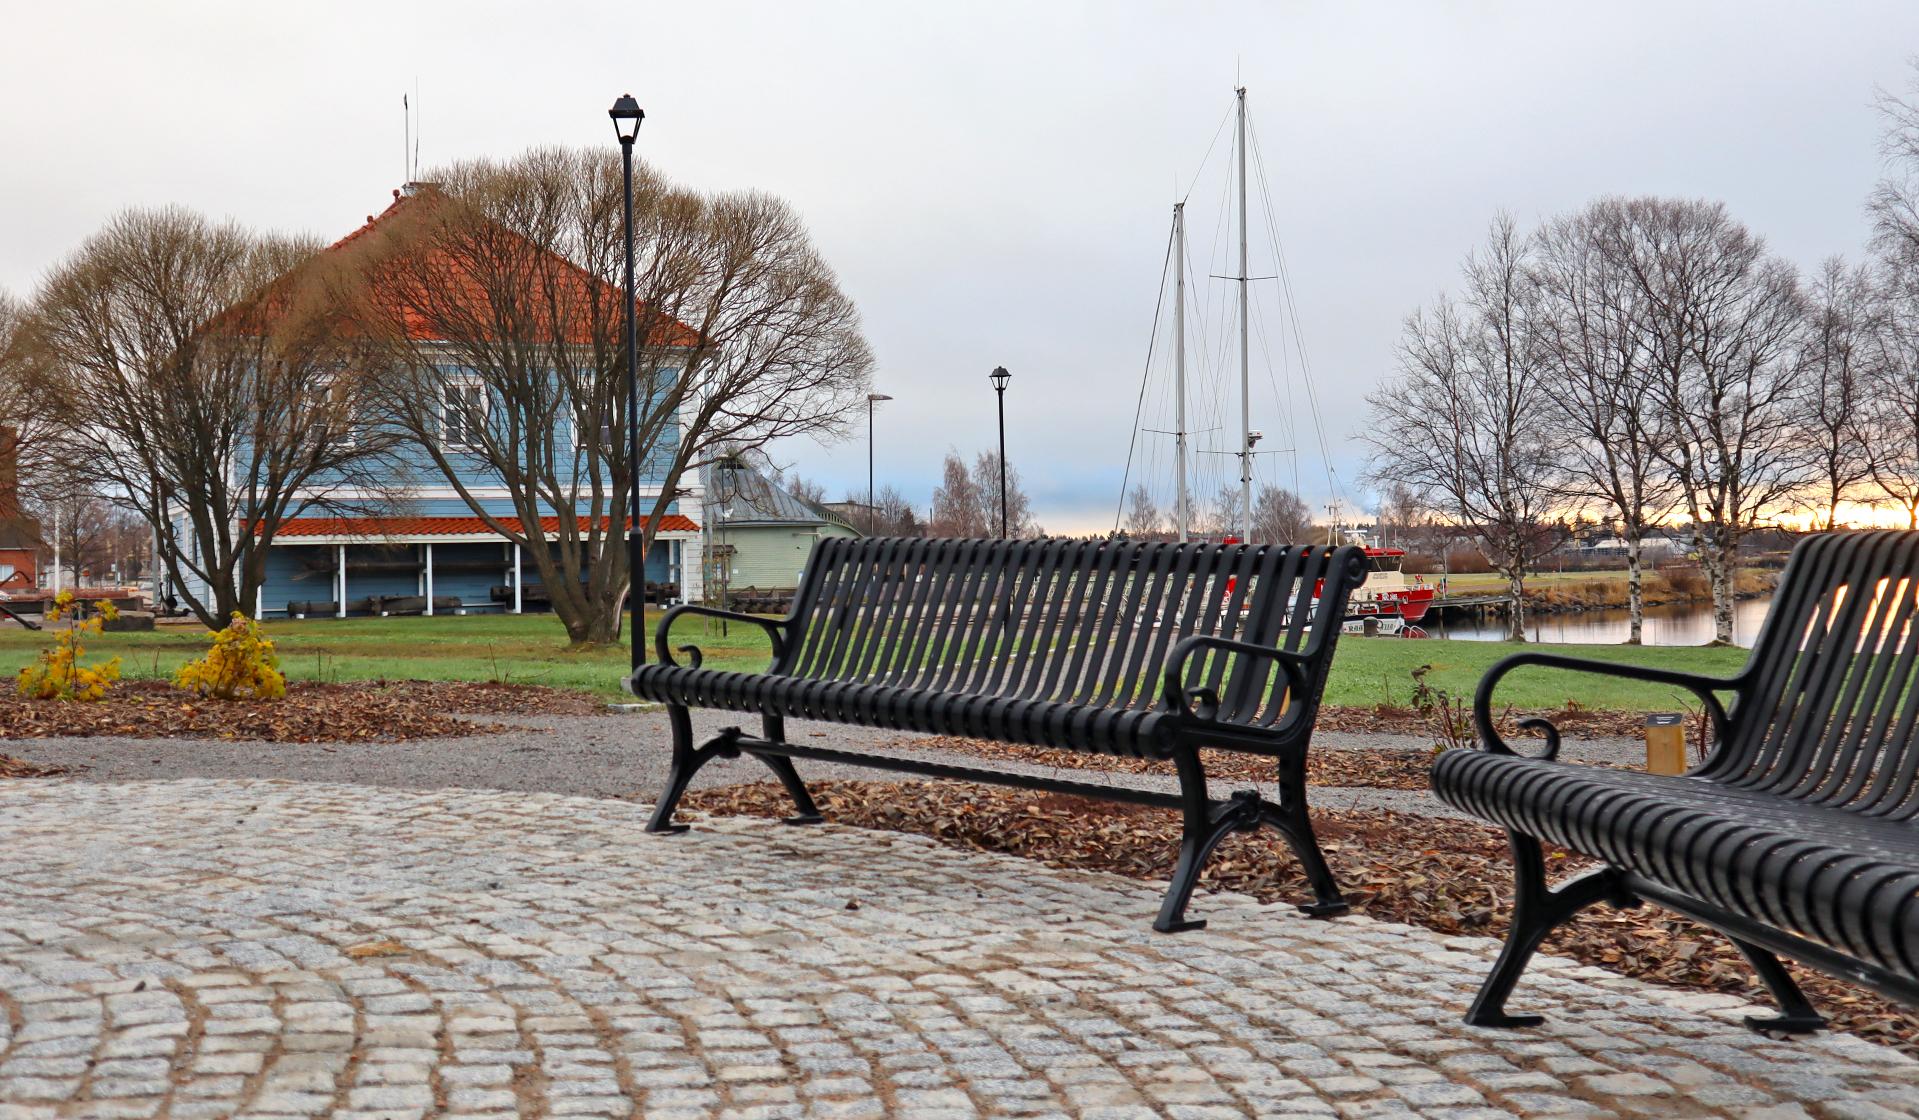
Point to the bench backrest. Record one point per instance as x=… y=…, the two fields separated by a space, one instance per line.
x=1830 y=694
x=1088 y=622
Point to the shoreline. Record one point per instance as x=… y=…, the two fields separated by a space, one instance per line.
x=1573 y=593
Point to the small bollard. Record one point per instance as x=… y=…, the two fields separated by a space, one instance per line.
x=1370 y=626
x=1666 y=743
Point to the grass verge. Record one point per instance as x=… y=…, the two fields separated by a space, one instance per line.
x=531 y=649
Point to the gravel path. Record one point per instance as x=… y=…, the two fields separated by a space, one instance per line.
x=621 y=755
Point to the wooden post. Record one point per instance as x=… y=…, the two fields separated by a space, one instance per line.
x=1666 y=743
x=339 y=608
x=429 y=580
x=517 y=602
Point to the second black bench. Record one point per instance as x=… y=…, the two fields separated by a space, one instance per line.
x=1142 y=649
x=1798 y=836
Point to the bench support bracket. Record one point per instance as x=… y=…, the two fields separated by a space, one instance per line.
x=1537 y=911
x=1207 y=822
x=727 y=744
x=1796 y=1013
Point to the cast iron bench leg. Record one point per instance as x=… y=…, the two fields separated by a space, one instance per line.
x=1207 y=822
x=687 y=762
x=1537 y=911
x=1296 y=825
x=774 y=731
x=1797 y=1014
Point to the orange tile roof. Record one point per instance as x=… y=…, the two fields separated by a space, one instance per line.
x=452 y=274
x=388 y=527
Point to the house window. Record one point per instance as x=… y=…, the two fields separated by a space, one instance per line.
x=330 y=408
x=583 y=427
x=463 y=415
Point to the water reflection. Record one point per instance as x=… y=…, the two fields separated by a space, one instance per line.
x=1665 y=626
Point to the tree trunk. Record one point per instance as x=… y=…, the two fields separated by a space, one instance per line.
x=1635 y=593
x=1516 y=618
x=1720 y=571
x=602 y=626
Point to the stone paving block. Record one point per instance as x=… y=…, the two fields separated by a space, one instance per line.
x=569 y=965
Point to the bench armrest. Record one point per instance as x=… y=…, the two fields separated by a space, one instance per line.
x=1203 y=703
x=1706 y=688
x=775 y=629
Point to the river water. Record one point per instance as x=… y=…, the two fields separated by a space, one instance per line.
x=1685 y=625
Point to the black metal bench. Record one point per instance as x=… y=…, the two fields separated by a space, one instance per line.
x=1799 y=834
x=1149 y=650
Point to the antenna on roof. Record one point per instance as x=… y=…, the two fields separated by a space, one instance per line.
x=406 y=140
x=416 y=133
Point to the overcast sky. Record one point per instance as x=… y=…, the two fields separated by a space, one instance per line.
x=993 y=182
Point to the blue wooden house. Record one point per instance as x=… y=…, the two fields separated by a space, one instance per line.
x=430 y=554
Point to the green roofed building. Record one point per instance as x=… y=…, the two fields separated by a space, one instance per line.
x=758 y=531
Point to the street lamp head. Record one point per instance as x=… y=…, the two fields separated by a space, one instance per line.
x=878 y=397
x=627 y=115
x=1000 y=378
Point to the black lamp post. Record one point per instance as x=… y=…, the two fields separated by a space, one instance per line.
x=872 y=513
x=1000 y=378
x=627 y=115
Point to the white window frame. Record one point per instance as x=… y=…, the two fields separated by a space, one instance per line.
x=331 y=387
x=446 y=406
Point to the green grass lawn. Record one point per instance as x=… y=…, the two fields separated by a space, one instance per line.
x=531 y=649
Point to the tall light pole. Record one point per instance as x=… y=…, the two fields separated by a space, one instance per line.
x=1000 y=378
x=627 y=115
x=871 y=511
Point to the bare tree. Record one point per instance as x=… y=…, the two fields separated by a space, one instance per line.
x=1891 y=390
x=1725 y=365
x=1596 y=350
x=1894 y=202
x=894 y=515
x=1019 y=508
x=26 y=446
x=1467 y=414
x=1892 y=372
x=1221 y=517
x=99 y=541
x=1401 y=515
x=196 y=375
x=1838 y=337
x=1143 y=521
x=805 y=489
x=509 y=275
x=1281 y=517
x=958 y=509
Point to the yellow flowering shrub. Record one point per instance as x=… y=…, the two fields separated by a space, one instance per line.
x=240 y=665
x=57 y=673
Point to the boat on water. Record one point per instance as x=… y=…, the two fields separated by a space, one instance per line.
x=1391 y=603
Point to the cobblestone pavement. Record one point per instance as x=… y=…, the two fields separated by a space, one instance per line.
x=206 y=948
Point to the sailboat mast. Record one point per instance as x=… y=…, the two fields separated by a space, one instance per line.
x=1245 y=391
x=1181 y=503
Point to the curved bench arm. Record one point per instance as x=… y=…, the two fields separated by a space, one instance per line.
x=1203 y=703
x=775 y=630
x=1705 y=688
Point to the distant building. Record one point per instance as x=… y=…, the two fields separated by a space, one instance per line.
x=434 y=547
x=760 y=535
x=20 y=541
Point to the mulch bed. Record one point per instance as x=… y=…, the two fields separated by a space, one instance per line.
x=1572 y=721
x=1377 y=768
x=1451 y=876
x=310 y=713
